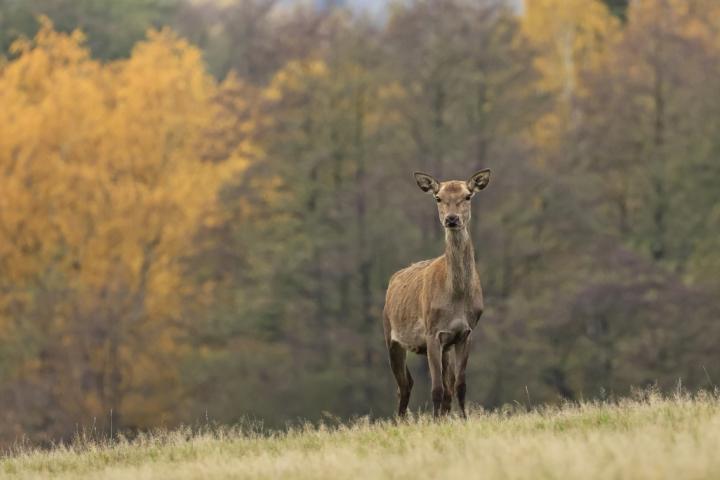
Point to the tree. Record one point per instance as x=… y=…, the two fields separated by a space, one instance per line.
x=104 y=185
x=569 y=37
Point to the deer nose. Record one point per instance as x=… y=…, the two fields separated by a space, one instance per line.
x=452 y=220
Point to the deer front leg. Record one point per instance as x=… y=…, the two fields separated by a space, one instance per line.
x=435 y=353
x=462 y=351
x=448 y=371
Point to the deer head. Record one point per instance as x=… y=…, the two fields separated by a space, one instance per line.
x=453 y=197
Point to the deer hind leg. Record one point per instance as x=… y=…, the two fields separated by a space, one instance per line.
x=448 y=371
x=402 y=375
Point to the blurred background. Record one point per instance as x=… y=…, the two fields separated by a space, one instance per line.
x=201 y=202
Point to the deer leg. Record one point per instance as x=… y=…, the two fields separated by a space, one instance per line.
x=435 y=354
x=448 y=370
x=402 y=376
x=462 y=351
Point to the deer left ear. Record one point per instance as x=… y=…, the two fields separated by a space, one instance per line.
x=479 y=180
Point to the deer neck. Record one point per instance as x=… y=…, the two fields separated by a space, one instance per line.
x=460 y=257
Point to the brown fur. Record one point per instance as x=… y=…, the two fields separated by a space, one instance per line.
x=432 y=306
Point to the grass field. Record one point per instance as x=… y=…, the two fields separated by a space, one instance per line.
x=649 y=437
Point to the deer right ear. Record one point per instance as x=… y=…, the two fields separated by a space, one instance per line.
x=426 y=182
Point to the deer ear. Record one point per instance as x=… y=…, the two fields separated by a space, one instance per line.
x=479 y=180
x=426 y=182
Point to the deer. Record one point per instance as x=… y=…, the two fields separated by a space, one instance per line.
x=432 y=306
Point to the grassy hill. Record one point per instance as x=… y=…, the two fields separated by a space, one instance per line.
x=648 y=437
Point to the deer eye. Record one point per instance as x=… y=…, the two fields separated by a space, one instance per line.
x=437 y=199
x=468 y=197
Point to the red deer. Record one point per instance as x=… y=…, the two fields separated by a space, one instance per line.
x=431 y=307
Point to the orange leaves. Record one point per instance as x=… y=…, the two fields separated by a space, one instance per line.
x=104 y=181
x=568 y=35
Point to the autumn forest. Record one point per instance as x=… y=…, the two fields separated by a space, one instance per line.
x=201 y=203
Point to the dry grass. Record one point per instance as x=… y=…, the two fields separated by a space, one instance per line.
x=648 y=437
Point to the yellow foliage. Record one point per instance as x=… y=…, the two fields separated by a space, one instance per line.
x=104 y=178
x=569 y=36
x=294 y=77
